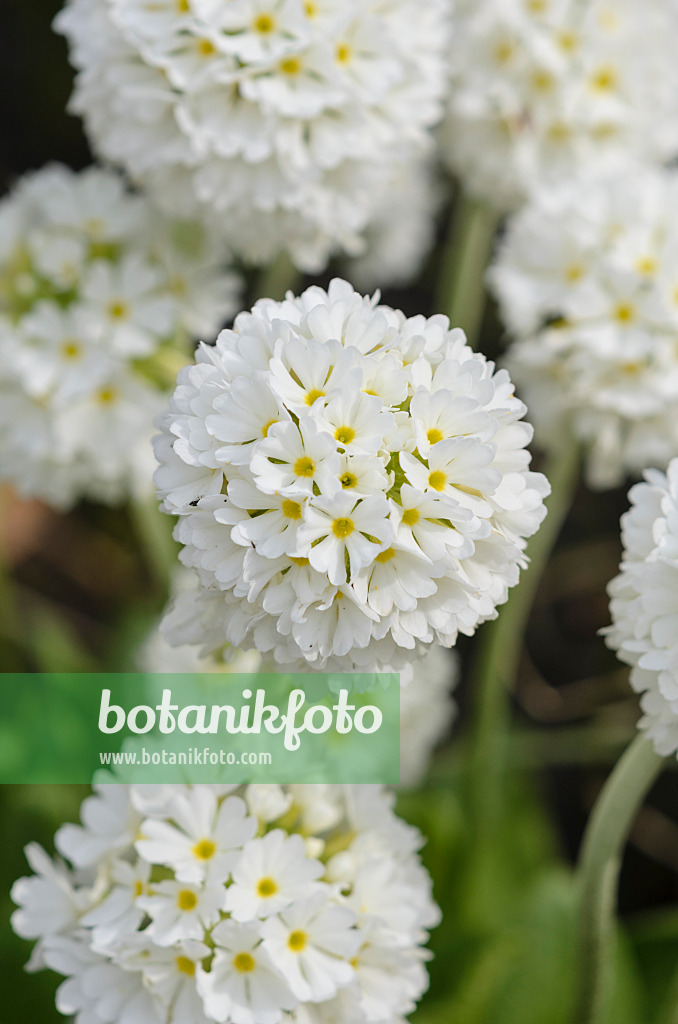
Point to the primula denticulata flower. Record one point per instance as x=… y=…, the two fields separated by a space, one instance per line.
x=544 y=89
x=644 y=604
x=281 y=119
x=587 y=282
x=426 y=704
x=350 y=485
x=317 y=910
x=95 y=292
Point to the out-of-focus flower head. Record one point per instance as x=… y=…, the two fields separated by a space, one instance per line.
x=251 y=904
x=281 y=119
x=587 y=282
x=644 y=604
x=351 y=485
x=426 y=704
x=97 y=293
x=542 y=90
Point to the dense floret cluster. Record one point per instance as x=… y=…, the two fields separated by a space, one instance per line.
x=247 y=905
x=350 y=484
x=544 y=89
x=98 y=301
x=282 y=119
x=587 y=282
x=644 y=604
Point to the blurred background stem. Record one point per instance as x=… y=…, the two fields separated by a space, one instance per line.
x=276 y=279
x=501 y=646
x=461 y=283
x=600 y=861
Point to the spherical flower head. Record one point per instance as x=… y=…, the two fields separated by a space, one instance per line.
x=351 y=485
x=280 y=119
x=98 y=297
x=644 y=604
x=427 y=707
x=544 y=89
x=247 y=905
x=587 y=283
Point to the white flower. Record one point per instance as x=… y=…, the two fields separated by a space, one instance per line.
x=372 y=493
x=540 y=92
x=284 y=121
x=97 y=295
x=644 y=604
x=319 y=949
x=587 y=281
x=200 y=846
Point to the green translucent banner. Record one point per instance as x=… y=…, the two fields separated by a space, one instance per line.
x=194 y=728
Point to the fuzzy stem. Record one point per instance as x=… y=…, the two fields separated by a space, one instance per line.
x=496 y=670
x=461 y=283
x=600 y=862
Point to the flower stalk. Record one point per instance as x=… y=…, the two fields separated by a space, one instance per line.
x=600 y=862
x=461 y=286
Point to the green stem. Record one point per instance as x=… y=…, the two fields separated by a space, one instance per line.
x=669 y=1014
x=154 y=533
x=461 y=283
x=495 y=675
x=600 y=862
x=277 y=279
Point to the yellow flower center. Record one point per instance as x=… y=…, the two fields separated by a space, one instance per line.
x=304 y=466
x=206 y=48
x=265 y=23
x=646 y=265
x=437 y=480
x=574 y=272
x=542 y=80
x=386 y=556
x=313 y=396
x=71 y=350
x=106 y=396
x=205 y=849
x=605 y=79
x=625 y=313
x=187 y=900
x=183 y=6
x=434 y=435
x=342 y=528
x=410 y=517
x=266 y=887
x=138 y=889
x=185 y=966
x=291 y=509
x=296 y=941
x=504 y=51
x=290 y=65
x=568 y=41
x=244 y=963
x=348 y=480
x=118 y=310
x=266 y=427
x=344 y=435
x=301 y=562
x=311 y=9
x=536 y=6
x=344 y=53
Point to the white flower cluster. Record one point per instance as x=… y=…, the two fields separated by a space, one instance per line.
x=246 y=905
x=587 y=281
x=644 y=604
x=544 y=89
x=426 y=704
x=282 y=118
x=351 y=485
x=93 y=289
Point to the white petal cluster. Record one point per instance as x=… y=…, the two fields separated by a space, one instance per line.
x=644 y=604
x=351 y=485
x=246 y=905
x=544 y=89
x=95 y=290
x=427 y=707
x=587 y=282
x=283 y=119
